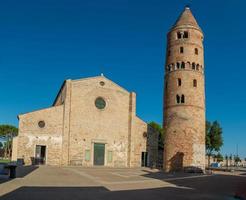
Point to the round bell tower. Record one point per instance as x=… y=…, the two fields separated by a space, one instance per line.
x=184 y=96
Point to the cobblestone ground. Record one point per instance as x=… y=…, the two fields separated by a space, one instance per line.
x=51 y=183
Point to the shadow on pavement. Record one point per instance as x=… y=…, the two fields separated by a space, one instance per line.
x=101 y=193
x=222 y=185
x=218 y=187
x=21 y=171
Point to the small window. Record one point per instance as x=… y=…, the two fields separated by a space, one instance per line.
x=100 y=103
x=169 y=68
x=183 y=65
x=188 y=65
x=166 y=85
x=182 y=99
x=193 y=66
x=179 y=35
x=179 y=82
x=186 y=35
x=110 y=156
x=196 y=51
x=178 y=65
x=177 y=98
x=194 y=83
x=87 y=155
x=181 y=50
x=197 y=67
x=102 y=83
x=41 y=124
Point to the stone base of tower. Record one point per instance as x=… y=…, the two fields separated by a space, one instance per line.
x=184 y=144
x=181 y=161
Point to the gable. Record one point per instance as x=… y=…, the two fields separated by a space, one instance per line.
x=100 y=82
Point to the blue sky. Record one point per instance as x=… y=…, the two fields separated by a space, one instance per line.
x=44 y=42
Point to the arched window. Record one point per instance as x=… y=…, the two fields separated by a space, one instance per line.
x=179 y=82
x=194 y=83
x=166 y=85
x=179 y=35
x=188 y=65
x=178 y=65
x=186 y=35
x=168 y=68
x=181 y=50
x=182 y=99
x=197 y=67
x=172 y=67
x=177 y=98
x=182 y=65
x=193 y=66
x=196 y=51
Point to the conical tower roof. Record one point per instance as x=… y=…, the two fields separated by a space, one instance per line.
x=186 y=19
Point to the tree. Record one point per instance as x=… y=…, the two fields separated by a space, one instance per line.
x=219 y=157
x=7 y=148
x=237 y=159
x=8 y=129
x=214 y=139
x=1 y=145
x=157 y=127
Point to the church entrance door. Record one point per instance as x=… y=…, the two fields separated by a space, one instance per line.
x=99 y=153
x=40 y=155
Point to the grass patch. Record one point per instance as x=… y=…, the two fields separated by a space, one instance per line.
x=4 y=161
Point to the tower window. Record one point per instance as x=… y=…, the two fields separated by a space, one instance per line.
x=182 y=34
x=181 y=50
x=182 y=99
x=177 y=98
x=179 y=82
x=194 y=83
x=188 y=65
x=169 y=68
x=196 y=51
x=182 y=65
x=166 y=85
x=169 y=53
x=179 y=35
x=186 y=35
x=178 y=65
x=197 y=67
x=193 y=66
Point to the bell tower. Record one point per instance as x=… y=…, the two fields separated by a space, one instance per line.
x=184 y=96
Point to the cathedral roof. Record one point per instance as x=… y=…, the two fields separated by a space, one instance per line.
x=186 y=18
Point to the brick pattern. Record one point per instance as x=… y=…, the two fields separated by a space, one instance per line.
x=74 y=124
x=184 y=144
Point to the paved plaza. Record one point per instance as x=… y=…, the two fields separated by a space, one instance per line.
x=74 y=183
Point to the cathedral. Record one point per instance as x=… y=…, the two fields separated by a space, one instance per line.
x=93 y=120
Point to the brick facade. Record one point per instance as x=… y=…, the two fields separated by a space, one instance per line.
x=74 y=124
x=184 y=101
